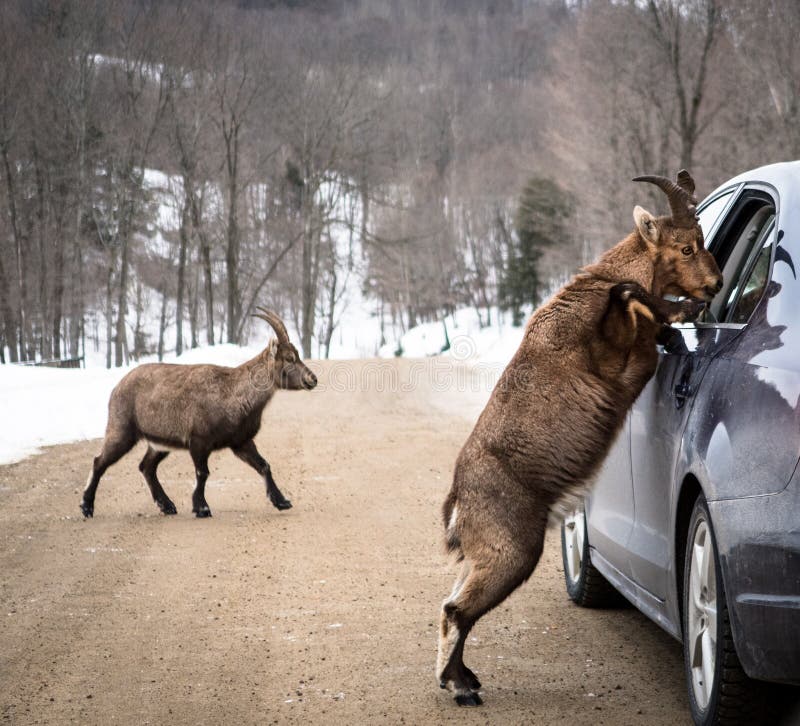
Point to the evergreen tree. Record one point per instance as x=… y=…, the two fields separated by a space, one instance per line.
x=541 y=221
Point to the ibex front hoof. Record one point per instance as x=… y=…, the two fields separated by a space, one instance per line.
x=282 y=504
x=202 y=513
x=87 y=509
x=468 y=699
x=690 y=310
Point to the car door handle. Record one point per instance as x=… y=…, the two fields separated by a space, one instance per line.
x=682 y=391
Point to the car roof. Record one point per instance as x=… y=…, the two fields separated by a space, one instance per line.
x=785 y=177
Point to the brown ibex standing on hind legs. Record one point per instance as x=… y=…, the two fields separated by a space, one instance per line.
x=585 y=357
x=201 y=408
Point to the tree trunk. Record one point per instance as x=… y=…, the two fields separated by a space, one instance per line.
x=120 y=339
x=232 y=250
x=44 y=347
x=58 y=295
x=19 y=257
x=193 y=306
x=76 y=327
x=209 y=293
x=109 y=307
x=311 y=237
x=162 y=323
x=331 y=311
x=184 y=245
x=205 y=261
x=8 y=318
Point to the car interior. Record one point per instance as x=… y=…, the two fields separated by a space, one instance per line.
x=743 y=250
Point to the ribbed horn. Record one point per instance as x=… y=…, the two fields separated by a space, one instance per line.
x=681 y=199
x=686 y=183
x=276 y=323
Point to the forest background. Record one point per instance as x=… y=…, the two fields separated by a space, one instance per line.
x=166 y=166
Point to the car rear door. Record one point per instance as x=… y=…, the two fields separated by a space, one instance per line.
x=609 y=508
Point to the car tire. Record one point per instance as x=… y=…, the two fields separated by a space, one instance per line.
x=708 y=648
x=585 y=585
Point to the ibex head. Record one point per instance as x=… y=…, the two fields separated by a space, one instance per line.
x=683 y=265
x=290 y=372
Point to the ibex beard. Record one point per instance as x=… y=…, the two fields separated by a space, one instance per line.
x=585 y=356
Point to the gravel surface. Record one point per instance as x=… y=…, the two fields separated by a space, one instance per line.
x=326 y=613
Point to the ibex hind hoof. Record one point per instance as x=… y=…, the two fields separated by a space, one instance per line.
x=87 y=511
x=168 y=508
x=202 y=513
x=283 y=504
x=469 y=699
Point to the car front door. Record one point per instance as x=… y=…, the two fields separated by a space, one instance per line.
x=610 y=506
x=745 y=225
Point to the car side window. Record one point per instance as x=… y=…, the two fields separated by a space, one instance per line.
x=711 y=212
x=744 y=237
x=754 y=283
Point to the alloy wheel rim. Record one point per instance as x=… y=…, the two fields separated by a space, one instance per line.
x=574 y=533
x=702 y=614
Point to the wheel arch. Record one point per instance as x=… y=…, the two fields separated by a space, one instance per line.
x=690 y=490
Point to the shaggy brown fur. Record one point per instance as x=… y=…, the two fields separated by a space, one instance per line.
x=201 y=408
x=585 y=357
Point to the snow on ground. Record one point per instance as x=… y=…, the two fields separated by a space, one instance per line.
x=45 y=406
x=469 y=340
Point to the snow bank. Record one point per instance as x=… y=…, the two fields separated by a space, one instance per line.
x=46 y=406
x=469 y=339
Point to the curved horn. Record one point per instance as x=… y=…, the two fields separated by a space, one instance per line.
x=681 y=201
x=276 y=323
x=686 y=183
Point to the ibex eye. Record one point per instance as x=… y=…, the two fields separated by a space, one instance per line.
x=687 y=250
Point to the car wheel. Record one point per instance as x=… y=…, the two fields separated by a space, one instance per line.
x=719 y=690
x=585 y=585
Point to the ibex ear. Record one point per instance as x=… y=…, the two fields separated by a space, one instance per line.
x=272 y=349
x=646 y=224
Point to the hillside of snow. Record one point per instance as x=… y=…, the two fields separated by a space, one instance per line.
x=45 y=406
x=460 y=336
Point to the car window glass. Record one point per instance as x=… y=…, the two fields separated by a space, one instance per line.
x=710 y=213
x=741 y=236
x=753 y=284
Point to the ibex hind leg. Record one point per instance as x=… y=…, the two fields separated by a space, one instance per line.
x=148 y=467
x=115 y=446
x=487 y=581
x=199 y=505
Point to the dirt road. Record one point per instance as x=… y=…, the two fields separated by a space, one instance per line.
x=326 y=613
